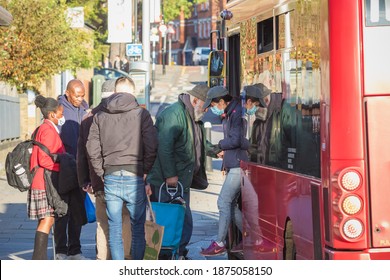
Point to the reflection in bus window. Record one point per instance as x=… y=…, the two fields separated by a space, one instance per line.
x=265 y=36
x=265 y=140
x=377 y=12
x=284 y=30
x=216 y=63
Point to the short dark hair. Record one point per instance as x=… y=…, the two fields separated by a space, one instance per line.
x=253 y=99
x=46 y=104
x=226 y=98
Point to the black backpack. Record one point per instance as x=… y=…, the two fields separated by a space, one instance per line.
x=17 y=164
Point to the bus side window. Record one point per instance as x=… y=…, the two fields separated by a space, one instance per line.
x=265 y=36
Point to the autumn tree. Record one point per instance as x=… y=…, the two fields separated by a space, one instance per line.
x=40 y=43
x=95 y=13
x=173 y=8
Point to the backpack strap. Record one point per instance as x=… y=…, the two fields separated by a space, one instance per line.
x=54 y=157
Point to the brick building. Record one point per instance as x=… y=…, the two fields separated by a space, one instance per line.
x=192 y=32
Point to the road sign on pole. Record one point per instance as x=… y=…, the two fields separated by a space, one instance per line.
x=134 y=49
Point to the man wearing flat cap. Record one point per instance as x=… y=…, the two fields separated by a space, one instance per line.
x=234 y=146
x=181 y=153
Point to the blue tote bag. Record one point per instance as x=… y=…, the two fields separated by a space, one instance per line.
x=90 y=209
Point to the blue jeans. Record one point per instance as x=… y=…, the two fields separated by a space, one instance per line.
x=227 y=203
x=131 y=190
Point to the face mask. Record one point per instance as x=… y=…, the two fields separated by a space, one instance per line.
x=61 y=121
x=252 y=110
x=215 y=110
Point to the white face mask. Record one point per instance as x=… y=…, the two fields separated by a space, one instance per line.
x=61 y=121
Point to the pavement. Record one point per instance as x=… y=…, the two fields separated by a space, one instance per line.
x=17 y=232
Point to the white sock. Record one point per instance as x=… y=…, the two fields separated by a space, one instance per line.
x=220 y=243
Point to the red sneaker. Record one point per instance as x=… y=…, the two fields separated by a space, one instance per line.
x=213 y=250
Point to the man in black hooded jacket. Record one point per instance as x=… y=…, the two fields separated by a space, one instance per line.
x=122 y=145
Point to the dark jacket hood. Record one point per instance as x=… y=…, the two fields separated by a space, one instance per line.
x=119 y=102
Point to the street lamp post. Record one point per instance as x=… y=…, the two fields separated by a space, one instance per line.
x=163 y=30
x=154 y=37
x=170 y=31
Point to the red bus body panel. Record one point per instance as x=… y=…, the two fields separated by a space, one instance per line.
x=378 y=136
x=354 y=134
x=270 y=217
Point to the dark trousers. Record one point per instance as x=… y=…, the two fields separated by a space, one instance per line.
x=187 y=227
x=67 y=236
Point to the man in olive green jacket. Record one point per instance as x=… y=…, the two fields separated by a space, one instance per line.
x=181 y=153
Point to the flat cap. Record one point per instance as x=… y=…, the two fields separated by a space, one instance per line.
x=214 y=92
x=108 y=88
x=199 y=91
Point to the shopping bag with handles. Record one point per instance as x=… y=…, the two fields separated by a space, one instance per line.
x=90 y=209
x=153 y=235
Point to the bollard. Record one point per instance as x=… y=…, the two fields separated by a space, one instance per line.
x=209 y=161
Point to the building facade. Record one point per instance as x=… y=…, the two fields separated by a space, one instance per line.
x=191 y=33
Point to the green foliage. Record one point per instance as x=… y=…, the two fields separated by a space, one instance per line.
x=173 y=8
x=95 y=13
x=40 y=43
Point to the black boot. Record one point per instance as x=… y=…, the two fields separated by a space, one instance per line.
x=40 y=246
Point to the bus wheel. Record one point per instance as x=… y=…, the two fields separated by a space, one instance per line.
x=289 y=250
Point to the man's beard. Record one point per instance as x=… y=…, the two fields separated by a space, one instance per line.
x=198 y=115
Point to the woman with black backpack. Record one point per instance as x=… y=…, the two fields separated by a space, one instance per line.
x=38 y=206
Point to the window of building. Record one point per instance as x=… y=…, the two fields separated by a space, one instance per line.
x=208 y=28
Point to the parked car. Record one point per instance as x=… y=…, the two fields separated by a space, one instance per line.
x=201 y=55
x=110 y=73
x=113 y=74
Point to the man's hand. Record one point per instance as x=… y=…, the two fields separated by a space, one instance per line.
x=88 y=188
x=220 y=155
x=148 y=190
x=216 y=149
x=172 y=181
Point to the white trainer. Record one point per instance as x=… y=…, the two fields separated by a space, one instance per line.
x=61 y=257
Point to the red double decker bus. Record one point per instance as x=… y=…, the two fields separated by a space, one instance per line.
x=317 y=185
